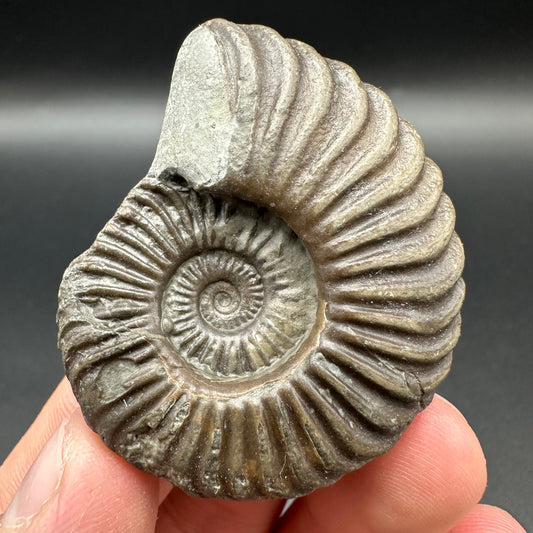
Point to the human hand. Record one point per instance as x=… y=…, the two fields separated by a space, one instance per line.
x=429 y=482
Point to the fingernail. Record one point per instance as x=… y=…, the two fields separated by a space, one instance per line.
x=40 y=483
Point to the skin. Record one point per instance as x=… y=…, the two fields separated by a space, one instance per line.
x=430 y=482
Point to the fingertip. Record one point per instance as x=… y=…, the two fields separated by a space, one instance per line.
x=164 y=489
x=97 y=490
x=488 y=519
x=437 y=471
x=426 y=482
x=66 y=401
x=102 y=487
x=57 y=409
x=441 y=442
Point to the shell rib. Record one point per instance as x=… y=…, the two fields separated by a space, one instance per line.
x=274 y=303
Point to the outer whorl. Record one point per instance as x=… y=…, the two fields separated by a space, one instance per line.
x=274 y=303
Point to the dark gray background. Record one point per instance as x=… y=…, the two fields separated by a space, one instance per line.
x=82 y=94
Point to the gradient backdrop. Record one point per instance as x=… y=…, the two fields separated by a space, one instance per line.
x=83 y=88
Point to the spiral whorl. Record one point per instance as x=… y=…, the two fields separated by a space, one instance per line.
x=274 y=303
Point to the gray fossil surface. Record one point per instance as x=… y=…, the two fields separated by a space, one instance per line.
x=272 y=305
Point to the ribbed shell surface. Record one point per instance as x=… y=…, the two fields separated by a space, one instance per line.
x=274 y=303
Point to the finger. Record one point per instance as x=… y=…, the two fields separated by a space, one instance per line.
x=182 y=513
x=164 y=489
x=488 y=519
x=77 y=484
x=426 y=482
x=59 y=407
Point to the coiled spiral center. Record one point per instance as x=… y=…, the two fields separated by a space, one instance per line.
x=219 y=300
x=243 y=301
x=222 y=289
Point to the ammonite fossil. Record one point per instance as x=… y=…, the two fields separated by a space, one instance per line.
x=273 y=304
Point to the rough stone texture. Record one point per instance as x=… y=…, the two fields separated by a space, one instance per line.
x=274 y=303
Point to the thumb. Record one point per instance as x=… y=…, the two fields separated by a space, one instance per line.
x=77 y=484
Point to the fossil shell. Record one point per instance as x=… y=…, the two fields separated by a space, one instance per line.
x=274 y=303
